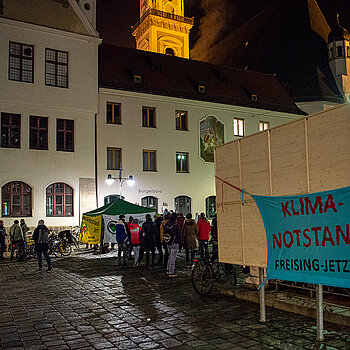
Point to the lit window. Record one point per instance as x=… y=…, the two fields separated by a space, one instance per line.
x=238 y=127
x=21 y=62
x=10 y=130
x=210 y=206
x=38 y=134
x=181 y=119
x=65 y=135
x=56 y=68
x=181 y=162
x=59 y=200
x=149 y=160
x=16 y=199
x=114 y=158
x=150 y=202
x=148 y=117
x=113 y=113
x=264 y=126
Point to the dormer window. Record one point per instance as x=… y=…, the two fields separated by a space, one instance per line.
x=254 y=97
x=137 y=79
x=201 y=89
x=339 y=51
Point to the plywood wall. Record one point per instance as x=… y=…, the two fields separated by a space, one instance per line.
x=308 y=155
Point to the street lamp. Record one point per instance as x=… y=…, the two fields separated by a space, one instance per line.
x=130 y=180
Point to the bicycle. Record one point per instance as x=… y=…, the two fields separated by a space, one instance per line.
x=205 y=273
x=19 y=252
x=59 y=246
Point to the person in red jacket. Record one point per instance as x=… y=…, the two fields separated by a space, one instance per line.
x=203 y=235
x=135 y=239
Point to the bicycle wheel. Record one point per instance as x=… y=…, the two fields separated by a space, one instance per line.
x=202 y=277
x=64 y=248
x=230 y=273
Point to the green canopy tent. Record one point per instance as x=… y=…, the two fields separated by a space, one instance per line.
x=100 y=222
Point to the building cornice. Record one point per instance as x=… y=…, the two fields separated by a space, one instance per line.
x=48 y=30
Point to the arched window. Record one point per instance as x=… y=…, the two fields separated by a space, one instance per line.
x=112 y=197
x=59 y=200
x=16 y=199
x=210 y=206
x=339 y=51
x=183 y=205
x=169 y=51
x=348 y=51
x=331 y=53
x=150 y=202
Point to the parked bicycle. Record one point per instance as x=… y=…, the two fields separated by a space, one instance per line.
x=19 y=252
x=205 y=273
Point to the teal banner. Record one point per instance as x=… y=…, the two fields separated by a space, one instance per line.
x=308 y=237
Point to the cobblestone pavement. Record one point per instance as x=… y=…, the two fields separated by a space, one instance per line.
x=87 y=302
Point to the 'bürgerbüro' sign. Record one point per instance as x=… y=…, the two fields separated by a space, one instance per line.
x=308 y=237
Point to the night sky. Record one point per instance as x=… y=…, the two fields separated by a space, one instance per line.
x=115 y=17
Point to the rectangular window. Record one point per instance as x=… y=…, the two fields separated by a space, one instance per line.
x=56 y=68
x=238 y=127
x=10 y=130
x=181 y=119
x=148 y=117
x=21 y=62
x=38 y=132
x=149 y=160
x=113 y=113
x=65 y=135
x=264 y=126
x=114 y=158
x=182 y=162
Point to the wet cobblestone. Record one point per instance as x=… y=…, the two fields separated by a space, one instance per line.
x=88 y=302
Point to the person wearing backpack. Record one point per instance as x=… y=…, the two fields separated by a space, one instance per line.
x=173 y=229
x=161 y=236
x=41 y=239
x=122 y=237
x=16 y=238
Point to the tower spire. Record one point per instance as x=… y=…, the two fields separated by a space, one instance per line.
x=163 y=28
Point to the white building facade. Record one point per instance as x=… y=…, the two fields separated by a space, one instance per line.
x=48 y=103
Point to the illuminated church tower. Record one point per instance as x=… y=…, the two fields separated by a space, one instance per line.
x=162 y=27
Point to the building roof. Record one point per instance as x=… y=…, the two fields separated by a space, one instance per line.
x=338 y=33
x=288 y=39
x=173 y=76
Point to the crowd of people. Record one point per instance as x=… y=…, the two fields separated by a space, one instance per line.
x=167 y=234
x=18 y=240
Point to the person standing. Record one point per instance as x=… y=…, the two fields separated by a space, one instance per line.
x=161 y=233
x=129 y=245
x=158 y=219
x=122 y=239
x=25 y=229
x=203 y=235
x=149 y=238
x=2 y=239
x=189 y=238
x=136 y=240
x=41 y=239
x=16 y=238
x=173 y=228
